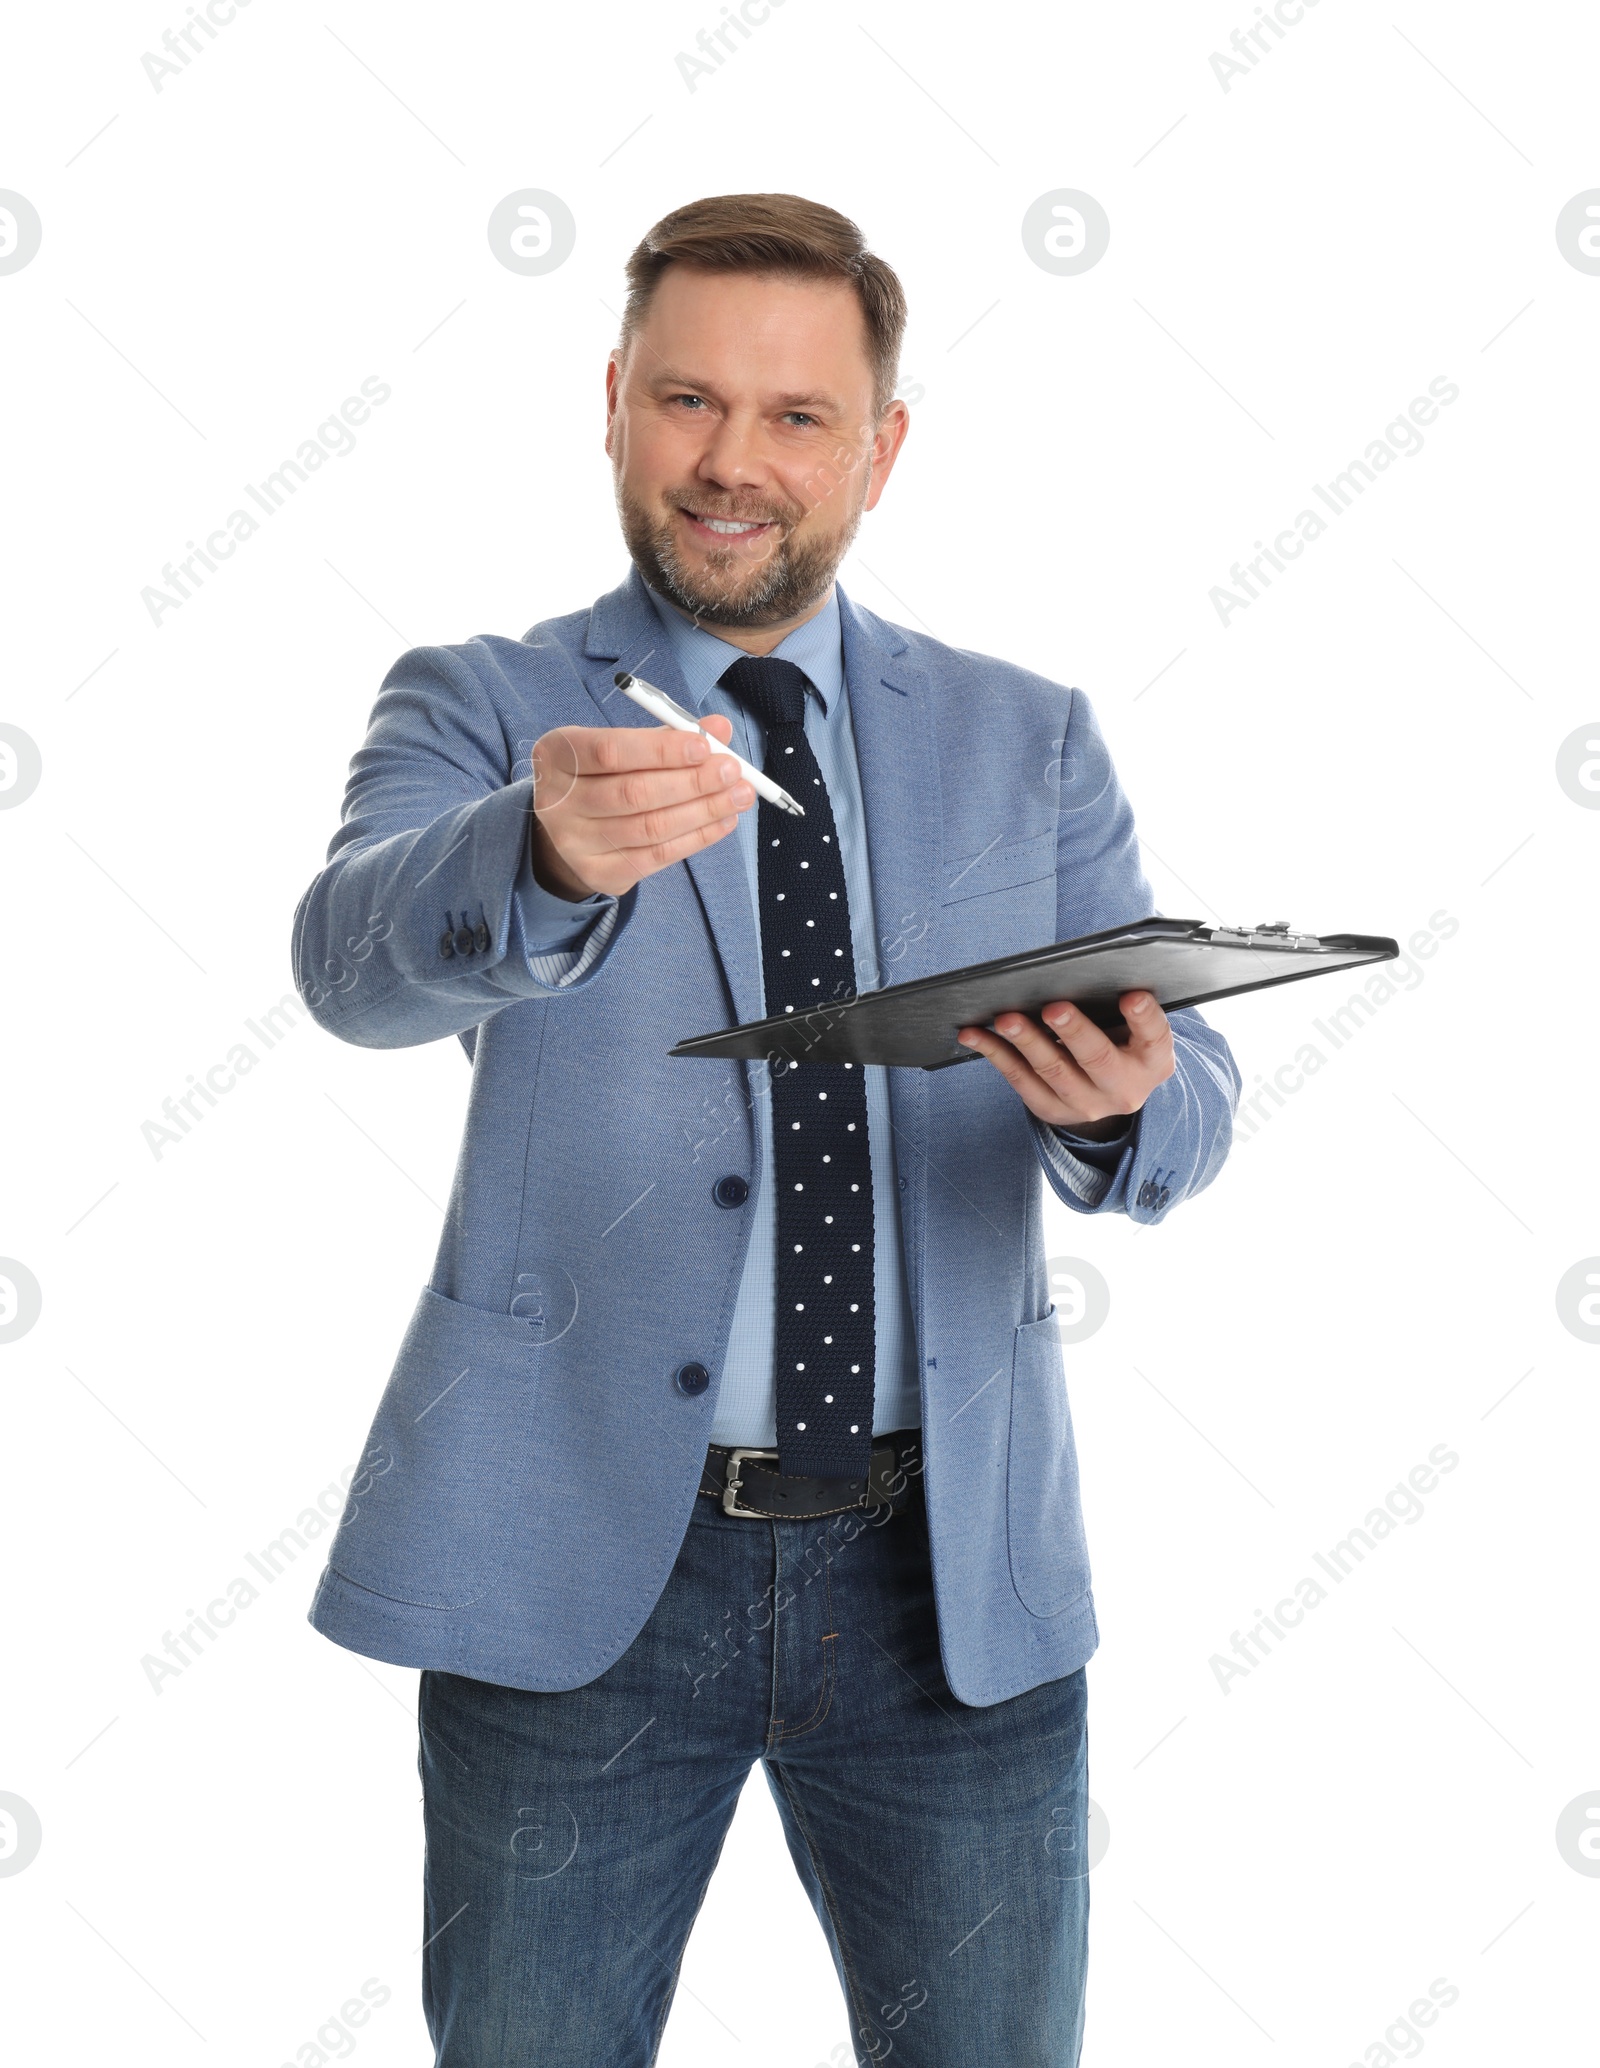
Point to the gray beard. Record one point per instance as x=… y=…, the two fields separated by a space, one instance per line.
x=791 y=580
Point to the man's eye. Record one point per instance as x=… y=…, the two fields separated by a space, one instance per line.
x=801 y=414
x=688 y=398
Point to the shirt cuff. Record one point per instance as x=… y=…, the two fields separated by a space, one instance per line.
x=1087 y=1169
x=564 y=966
x=1102 y=1152
x=563 y=937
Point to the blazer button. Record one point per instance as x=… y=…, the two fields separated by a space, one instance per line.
x=731 y=1190
x=693 y=1378
x=465 y=944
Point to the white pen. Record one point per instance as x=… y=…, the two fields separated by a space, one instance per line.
x=660 y=705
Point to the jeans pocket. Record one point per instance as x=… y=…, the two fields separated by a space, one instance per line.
x=1044 y=1520
x=432 y=1508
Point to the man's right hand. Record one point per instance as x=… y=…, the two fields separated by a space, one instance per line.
x=612 y=804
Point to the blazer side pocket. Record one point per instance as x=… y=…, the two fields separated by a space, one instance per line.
x=430 y=1511
x=1044 y=1521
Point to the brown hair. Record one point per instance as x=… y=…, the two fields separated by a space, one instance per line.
x=775 y=233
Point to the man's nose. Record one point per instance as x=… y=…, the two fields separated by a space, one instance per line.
x=734 y=454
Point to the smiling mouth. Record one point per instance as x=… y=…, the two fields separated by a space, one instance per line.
x=727 y=527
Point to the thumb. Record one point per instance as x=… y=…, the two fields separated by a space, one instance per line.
x=719 y=726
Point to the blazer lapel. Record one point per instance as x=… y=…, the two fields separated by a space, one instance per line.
x=625 y=633
x=896 y=754
x=891 y=719
x=891 y=715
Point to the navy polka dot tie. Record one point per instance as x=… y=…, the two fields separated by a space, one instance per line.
x=823 y=1335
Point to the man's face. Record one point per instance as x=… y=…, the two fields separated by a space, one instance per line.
x=746 y=399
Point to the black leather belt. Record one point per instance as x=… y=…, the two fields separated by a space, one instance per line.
x=748 y=1482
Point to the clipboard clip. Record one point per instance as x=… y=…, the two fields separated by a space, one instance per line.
x=1273 y=933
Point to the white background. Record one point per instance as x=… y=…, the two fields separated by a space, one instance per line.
x=1371 y=742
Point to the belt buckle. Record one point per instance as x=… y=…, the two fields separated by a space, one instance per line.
x=730 y=1490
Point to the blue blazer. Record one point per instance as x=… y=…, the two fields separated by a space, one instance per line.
x=534 y=1460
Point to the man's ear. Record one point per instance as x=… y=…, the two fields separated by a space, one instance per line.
x=883 y=449
x=613 y=390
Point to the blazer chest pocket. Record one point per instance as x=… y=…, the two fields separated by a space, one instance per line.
x=1003 y=866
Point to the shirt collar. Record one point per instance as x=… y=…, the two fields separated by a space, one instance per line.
x=817 y=647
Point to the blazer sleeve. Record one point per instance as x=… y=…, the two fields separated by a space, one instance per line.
x=1182 y=1134
x=435 y=840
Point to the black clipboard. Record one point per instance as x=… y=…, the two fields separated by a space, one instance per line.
x=913 y=1025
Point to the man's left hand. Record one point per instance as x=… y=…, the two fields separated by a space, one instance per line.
x=1071 y=1073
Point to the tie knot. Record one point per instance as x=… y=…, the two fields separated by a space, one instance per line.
x=772 y=690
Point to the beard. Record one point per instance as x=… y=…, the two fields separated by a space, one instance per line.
x=727 y=586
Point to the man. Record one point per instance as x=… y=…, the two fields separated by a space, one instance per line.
x=732 y=1424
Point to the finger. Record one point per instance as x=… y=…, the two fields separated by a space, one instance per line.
x=1058 y=1102
x=607 y=771
x=605 y=749
x=635 y=790
x=1091 y=1048
x=1149 y=1030
x=631 y=832
x=626 y=865
x=1053 y=1063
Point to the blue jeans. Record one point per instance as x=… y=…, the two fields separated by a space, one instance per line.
x=571 y=1836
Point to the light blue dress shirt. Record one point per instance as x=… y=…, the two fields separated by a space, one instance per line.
x=746 y=1401
x=571 y=934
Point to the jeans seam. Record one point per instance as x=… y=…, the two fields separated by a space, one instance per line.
x=819 y=1714
x=677 y=1966
x=852 y=1985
